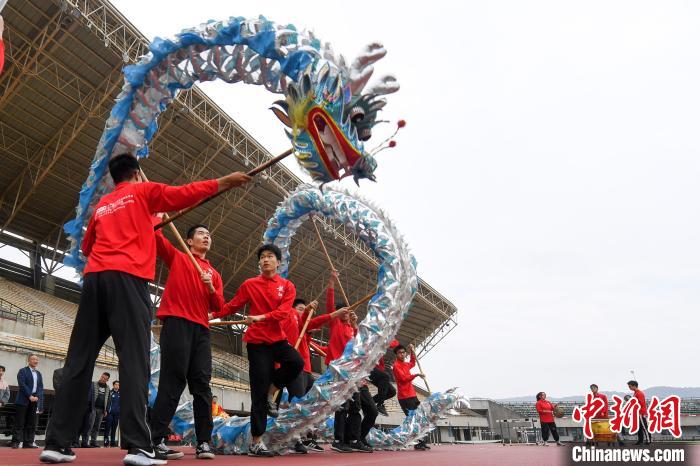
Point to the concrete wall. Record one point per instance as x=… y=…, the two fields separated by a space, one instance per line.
x=20 y=327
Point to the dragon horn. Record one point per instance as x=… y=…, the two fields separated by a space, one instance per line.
x=386 y=85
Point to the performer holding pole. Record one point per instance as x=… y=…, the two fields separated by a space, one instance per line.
x=270 y=298
x=350 y=428
x=185 y=342
x=404 y=382
x=120 y=247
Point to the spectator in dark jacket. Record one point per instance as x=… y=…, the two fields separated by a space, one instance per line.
x=29 y=402
x=101 y=398
x=112 y=415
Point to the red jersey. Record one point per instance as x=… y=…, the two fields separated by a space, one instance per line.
x=542 y=406
x=120 y=234
x=185 y=295
x=340 y=332
x=271 y=297
x=2 y=54
x=603 y=412
x=639 y=395
x=404 y=378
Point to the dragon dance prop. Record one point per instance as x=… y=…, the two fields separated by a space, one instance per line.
x=326 y=108
x=396 y=286
x=415 y=426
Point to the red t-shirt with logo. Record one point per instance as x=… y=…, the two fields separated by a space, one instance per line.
x=120 y=233
x=272 y=297
x=542 y=406
x=185 y=295
x=404 y=378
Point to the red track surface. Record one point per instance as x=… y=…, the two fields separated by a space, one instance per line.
x=468 y=455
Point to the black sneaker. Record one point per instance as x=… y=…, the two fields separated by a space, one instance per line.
x=30 y=445
x=272 y=410
x=311 y=445
x=259 y=449
x=165 y=452
x=55 y=455
x=300 y=448
x=14 y=445
x=341 y=447
x=382 y=409
x=93 y=445
x=143 y=457
x=361 y=447
x=204 y=452
x=420 y=446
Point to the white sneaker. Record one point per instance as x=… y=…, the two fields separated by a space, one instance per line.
x=54 y=456
x=139 y=457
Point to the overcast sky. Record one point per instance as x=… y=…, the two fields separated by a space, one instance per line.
x=547 y=180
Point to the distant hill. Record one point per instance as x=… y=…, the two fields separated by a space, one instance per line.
x=661 y=392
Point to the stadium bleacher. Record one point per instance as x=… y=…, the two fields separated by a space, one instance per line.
x=228 y=370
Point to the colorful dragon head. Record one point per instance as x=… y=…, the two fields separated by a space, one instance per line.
x=329 y=118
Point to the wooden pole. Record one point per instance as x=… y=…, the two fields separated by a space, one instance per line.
x=425 y=379
x=317 y=348
x=303 y=330
x=359 y=303
x=330 y=262
x=228 y=322
x=220 y=323
x=182 y=243
x=252 y=172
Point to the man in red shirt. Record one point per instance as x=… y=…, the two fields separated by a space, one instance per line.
x=408 y=400
x=185 y=343
x=546 y=411
x=643 y=436
x=120 y=247
x=270 y=298
x=350 y=427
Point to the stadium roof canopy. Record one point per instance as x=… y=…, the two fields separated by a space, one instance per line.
x=62 y=73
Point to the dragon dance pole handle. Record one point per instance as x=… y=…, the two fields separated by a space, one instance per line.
x=253 y=172
x=182 y=243
x=425 y=379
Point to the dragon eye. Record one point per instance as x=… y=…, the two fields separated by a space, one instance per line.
x=357 y=114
